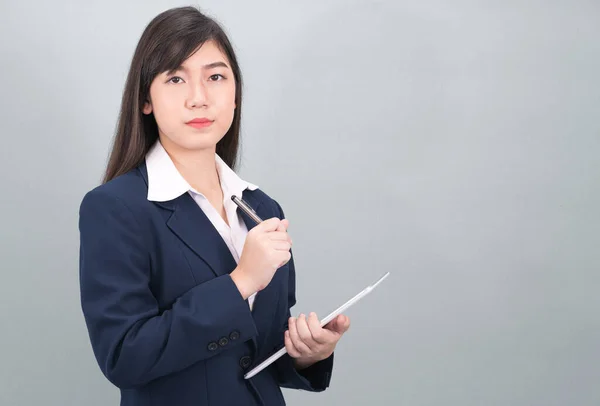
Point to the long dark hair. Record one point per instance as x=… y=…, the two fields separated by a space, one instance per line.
x=168 y=40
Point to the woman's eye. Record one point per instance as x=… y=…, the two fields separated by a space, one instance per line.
x=216 y=76
x=179 y=80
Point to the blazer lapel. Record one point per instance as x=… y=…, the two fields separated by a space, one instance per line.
x=192 y=226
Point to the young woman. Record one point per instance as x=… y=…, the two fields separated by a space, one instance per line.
x=181 y=292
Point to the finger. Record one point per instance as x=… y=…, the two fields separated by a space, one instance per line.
x=286 y=256
x=282 y=245
x=289 y=346
x=279 y=236
x=305 y=334
x=296 y=340
x=319 y=334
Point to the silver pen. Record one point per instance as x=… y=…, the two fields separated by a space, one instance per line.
x=246 y=208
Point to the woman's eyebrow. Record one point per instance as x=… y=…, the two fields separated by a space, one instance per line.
x=212 y=65
x=215 y=65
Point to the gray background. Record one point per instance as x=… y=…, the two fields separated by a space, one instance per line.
x=455 y=144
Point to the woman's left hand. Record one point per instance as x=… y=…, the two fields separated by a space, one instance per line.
x=307 y=342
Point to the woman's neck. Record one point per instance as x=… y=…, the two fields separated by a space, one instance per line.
x=197 y=167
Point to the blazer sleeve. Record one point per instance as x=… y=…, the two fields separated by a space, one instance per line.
x=133 y=340
x=315 y=378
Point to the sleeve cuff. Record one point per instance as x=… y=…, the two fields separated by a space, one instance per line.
x=315 y=378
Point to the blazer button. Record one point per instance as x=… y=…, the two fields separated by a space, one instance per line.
x=234 y=335
x=223 y=341
x=245 y=362
x=212 y=346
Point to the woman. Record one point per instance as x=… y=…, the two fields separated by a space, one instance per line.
x=181 y=293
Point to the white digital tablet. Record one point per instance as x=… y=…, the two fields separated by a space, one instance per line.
x=326 y=320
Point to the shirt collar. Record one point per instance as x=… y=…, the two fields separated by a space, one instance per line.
x=166 y=183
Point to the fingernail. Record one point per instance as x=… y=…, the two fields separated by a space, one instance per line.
x=312 y=314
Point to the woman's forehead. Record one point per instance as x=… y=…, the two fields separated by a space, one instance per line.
x=207 y=56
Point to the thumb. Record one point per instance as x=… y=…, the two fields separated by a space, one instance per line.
x=340 y=324
x=271 y=224
x=283 y=225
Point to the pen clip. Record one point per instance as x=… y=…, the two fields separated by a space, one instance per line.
x=246 y=208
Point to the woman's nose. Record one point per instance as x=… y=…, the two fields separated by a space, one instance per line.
x=197 y=96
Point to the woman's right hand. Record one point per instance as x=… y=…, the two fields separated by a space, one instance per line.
x=267 y=248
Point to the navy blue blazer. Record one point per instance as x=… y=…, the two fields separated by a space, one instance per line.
x=166 y=322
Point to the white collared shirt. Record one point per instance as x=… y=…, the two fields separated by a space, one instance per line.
x=166 y=183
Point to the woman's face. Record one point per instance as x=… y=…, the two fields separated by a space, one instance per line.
x=204 y=89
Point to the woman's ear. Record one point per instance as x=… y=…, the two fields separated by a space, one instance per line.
x=147 y=108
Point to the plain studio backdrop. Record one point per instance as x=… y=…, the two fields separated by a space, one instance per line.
x=454 y=144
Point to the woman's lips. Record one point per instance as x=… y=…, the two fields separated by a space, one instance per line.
x=199 y=123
